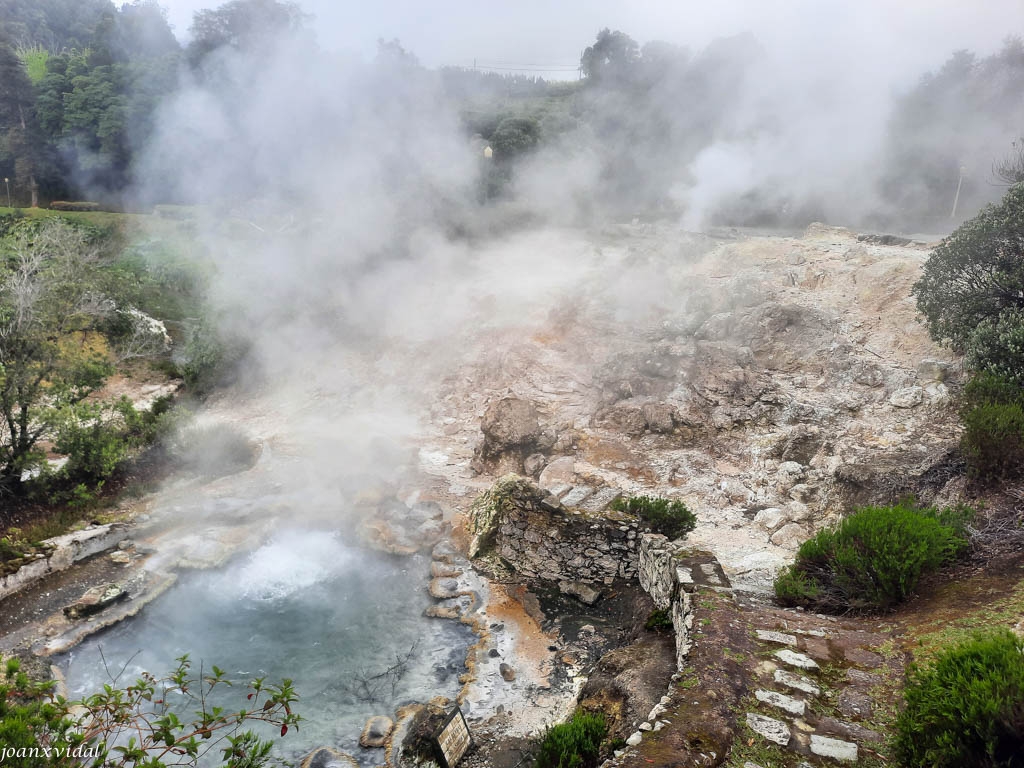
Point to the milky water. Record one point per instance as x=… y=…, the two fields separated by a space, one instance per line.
x=306 y=607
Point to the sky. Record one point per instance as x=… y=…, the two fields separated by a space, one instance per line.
x=908 y=35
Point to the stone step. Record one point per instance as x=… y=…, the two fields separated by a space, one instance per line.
x=774 y=730
x=794 y=659
x=843 y=751
x=771 y=636
x=782 y=701
x=797 y=682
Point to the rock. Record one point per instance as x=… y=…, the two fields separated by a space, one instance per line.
x=645 y=726
x=660 y=417
x=508 y=674
x=782 y=701
x=561 y=471
x=121 y=557
x=328 y=757
x=797 y=682
x=932 y=370
x=376 y=732
x=834 y=748
x=580 y=590
x=442 y=588
x=848 y=731
x=795 y=659
x=774 y=730
x=863 y=658
x=510 y=424
x=635 y=739
x=908 y=397
x=789 y=474
x=790 y=536
x=534 y=463
x=771 y=518
x=95 y=600
x=577 y=495
x=771 y=636
x=855 y=704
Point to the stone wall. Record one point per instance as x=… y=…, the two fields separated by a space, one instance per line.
x=60 y=552
x=541 y=538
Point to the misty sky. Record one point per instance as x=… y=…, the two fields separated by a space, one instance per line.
x=902 y=38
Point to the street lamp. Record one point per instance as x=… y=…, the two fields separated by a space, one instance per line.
x=7 y=181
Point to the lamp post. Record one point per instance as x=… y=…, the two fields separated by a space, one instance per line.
x=7 y=182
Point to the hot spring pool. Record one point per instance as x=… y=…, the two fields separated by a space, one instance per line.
x=305 y=607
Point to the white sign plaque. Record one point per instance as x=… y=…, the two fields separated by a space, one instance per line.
x=453 y=739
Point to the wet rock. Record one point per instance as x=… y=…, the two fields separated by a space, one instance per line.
x=376 y=732
x=774 y=730
x=95 y=600
x=328 y=757
x=908 y=397
x=580 y=590
x=508 y=673
x=443 y=588
x=834 y=748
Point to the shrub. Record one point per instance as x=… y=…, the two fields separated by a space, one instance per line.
x=873 y=559
x=671 y=518
x=659 y=621
x=967 y=709
x=574 y=744
x=79 y=207
x=993 y=418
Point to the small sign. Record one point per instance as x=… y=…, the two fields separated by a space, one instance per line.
x=453 y=739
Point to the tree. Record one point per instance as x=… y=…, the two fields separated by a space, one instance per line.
x=514 y=136
x=51 y=307
x=136 y=726
x=611 y=57
x=972 y=288
x=241 y=24
x=18 y=125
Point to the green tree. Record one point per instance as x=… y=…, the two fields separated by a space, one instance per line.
x=514 y=136
x=51 y=307
x=19 y=130
x=972 y=289
x=612 y=56
x=241 y=24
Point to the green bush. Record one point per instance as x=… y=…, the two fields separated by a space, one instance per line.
x=873 y=559
x=574 y=744
x=993 y=417
x=659 y=621
x=671 y=518
x=79 y=207
x=967 y=709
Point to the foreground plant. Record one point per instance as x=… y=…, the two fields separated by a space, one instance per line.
x=141 y=725
x=967 y=709
x=575 y=744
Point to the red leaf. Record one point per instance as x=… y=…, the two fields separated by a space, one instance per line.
x=284 y=729
x=249 y=696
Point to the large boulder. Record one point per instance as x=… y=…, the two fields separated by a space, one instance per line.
x=510 y=424
x=376 y=732
x=328 y=757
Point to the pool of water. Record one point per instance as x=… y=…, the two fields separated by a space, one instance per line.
x=307 y=607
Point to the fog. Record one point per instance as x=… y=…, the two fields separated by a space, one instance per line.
x=341 y=191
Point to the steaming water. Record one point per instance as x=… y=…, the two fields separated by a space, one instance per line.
x=304 y=607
